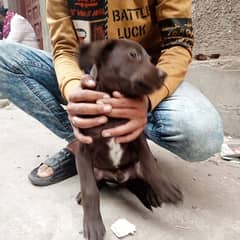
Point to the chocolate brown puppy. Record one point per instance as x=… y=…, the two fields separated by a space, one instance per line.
x=124 y=66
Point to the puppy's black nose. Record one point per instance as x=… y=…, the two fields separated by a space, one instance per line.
x=162 y=75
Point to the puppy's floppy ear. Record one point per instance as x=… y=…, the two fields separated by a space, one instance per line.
x=87 y=56
x=106 y=50
x=94 y=53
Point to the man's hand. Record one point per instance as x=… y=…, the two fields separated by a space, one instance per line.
x=133 y=109
x=82 y=103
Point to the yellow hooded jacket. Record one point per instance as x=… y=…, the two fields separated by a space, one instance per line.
x=162 y=27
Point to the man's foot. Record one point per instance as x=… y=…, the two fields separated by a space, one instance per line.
x=55 y=169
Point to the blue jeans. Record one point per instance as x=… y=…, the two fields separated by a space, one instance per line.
x=185 y=123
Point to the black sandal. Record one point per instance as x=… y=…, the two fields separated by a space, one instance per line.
x=63 y=165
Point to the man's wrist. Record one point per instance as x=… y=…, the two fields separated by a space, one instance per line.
x=69 y=87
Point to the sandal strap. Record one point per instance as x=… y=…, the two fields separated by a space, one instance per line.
x=61 y=159
x=63 y=165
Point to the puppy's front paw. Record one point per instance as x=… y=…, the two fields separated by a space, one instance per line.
x=93 y=228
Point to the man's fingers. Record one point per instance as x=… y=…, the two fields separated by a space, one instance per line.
x=130 y=137
x=127 y=113
x=117 y=94
x=80 y=137
x=122 y=130
x=79 y=122
x=86 y=96
x=119 y=102
x=122 y=102
x=88 y=83
x=88 y=109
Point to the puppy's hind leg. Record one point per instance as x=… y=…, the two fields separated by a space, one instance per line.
x=144 y=193
x=163 y=186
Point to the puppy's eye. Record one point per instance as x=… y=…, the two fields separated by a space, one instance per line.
x=133 y=54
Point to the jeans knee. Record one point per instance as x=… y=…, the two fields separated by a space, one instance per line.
x=188 y=135
x=4 y=44
x=7 y=48
x=9 y=57
x=202 y=140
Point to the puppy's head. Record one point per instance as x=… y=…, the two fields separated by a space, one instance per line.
x=121 y=65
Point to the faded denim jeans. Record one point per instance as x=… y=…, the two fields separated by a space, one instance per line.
x=185 y=123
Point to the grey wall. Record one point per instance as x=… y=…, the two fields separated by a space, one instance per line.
x=217 y=26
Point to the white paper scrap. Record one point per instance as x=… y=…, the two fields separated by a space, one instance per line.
x=122 y=228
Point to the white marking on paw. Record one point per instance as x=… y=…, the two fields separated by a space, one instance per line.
x=115 y=152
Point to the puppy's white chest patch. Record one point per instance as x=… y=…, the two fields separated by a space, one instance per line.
x=115 y=152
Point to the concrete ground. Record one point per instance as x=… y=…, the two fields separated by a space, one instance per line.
x=211 y=208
